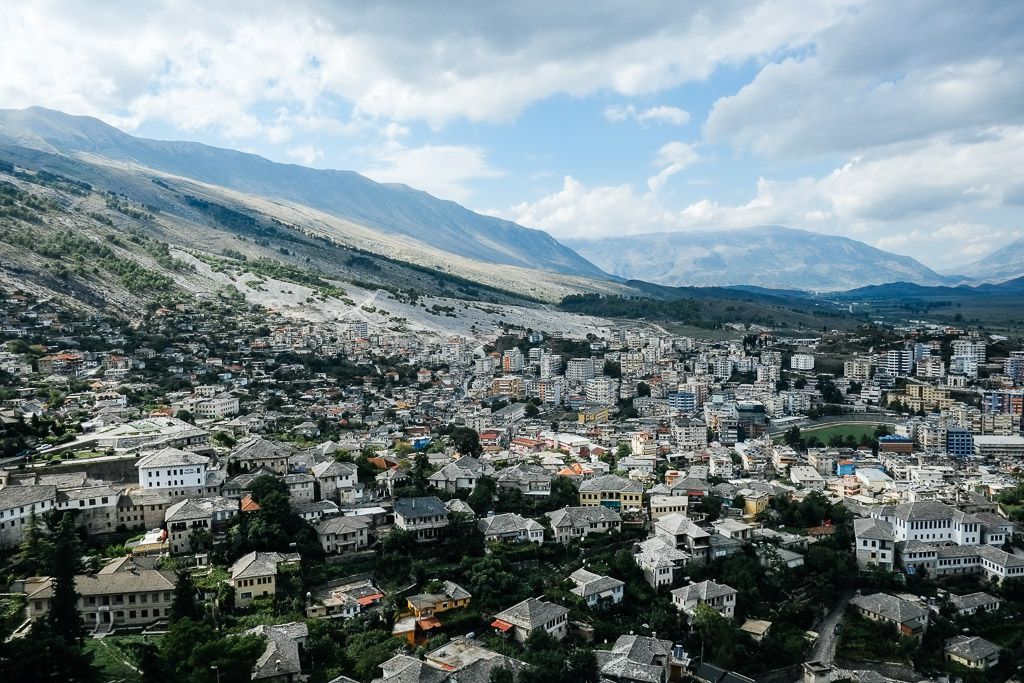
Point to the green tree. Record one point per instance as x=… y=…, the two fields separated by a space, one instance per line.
x=185 y=605
x=482 y=497
x=65 y=562
x=466 y=441
x=716 y=635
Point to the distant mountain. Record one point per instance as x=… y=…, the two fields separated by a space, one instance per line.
x=392 y=208
x=895 y=291
x=1005 y=263
x=765 y=256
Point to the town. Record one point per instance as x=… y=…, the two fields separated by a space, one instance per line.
x=218 y=492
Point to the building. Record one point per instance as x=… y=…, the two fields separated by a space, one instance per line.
x=425 y=517
x=875 y=543
x=195 y=522
x=281 y=660
x=597 y=591
x=959 y=442
x=999 y=446
x=972 y=652
x=123 y=593
x=174 y=472
x=18 y=503
x=511 y=528
x=256 y=452
x=660 y=561
x=682 y=533
x=530 y=480
x=802 y=362
x=335 y=481
x=612 y=491
x=339 y=535
x=716 y=595
x=254 y=575
x=460 y=475
x=520 y=620
x=573 y=523
x=908 y=618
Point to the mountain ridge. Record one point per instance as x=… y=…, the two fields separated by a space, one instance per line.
x=772 y=257
x=391 y=207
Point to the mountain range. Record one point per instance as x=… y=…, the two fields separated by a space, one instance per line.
x=397 y=221
x=394 y=208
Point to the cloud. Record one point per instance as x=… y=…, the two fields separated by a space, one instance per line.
x=442 y=170
x=889 y=73
x=306 y=154
x=661 y=114
x=223 y=67
x=674 y=157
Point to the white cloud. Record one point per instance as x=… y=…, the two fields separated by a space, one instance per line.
x=442 y=170
x=674 y=157
x=307 y=155
x=661 y=114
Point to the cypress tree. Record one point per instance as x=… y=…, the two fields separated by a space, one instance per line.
x=65 y=560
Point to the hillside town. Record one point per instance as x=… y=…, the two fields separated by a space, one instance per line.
x=337 y=502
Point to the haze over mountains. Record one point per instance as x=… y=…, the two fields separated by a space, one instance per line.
x=1005 y=263
x=766 y=256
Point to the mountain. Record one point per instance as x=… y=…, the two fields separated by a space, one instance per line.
x=765 y=256
x=1005 y=263
x=390 y=208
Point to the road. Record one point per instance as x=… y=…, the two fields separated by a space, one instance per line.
x=825 y=647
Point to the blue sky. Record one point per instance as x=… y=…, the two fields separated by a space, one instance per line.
x=899 y=124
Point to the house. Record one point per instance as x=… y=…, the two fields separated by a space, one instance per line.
x=612 y=491
x=972 y=652
x=343 y=600
x=18 y=504
x=425 y=516
x=520 y=620
x=300 y=487
x=909 y=618
x=138 y=509
x=597 y=591
x=875 y=543
x=660 y=561
x=530 y=480
x=511 y=527
x=771 y=555
x=188 y=520
x=177 y=473
x=240 y=484
x=256 y=452
x=806 y=476
x=339 y=535
x=974 y=602
x=123 y=593
x=281 y=658
x=420 y=617
x=335 y=481
x=717 y=595
x=682 y=533
x=573 y=523
x=314 y=511
x=460 y=475
x=639 y=659
x=756 y=628
x=254 y=575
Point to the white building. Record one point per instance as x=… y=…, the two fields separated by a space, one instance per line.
x=173 y=471
x=802 y=362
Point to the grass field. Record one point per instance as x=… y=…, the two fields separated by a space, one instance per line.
x=114 y=658
x=826 y=432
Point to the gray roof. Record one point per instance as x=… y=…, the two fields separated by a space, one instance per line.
x=523 y=472
x=611 y=482
x=171 y=457
x=199 y=508
x=281 y=656
x=322 y=470
x=973 y=601
x=635 y=658
x=921 y=510
x=406 y=669
x=507 y=523
x=258 y=448
x=588 y=583
x=17 y=496
x=423 y=506
x=703 y=591
x=255 y=564
x=531 y=613
x=891 y=607
x=871 y=528
x=582 y=516
x=342 y=525
x=676 y=523
x=972 y=648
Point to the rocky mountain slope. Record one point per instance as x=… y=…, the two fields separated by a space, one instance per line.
x=764 y=256
x=393 y=209
x=1005 y=263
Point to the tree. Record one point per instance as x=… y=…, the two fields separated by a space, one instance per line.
x=564 y=492
x=531 y=411
x=185 y=605
x=65 y=562
x=482 y=497
x=184 y=416
x=31 y=553
x=466 y=441
x=716 y=635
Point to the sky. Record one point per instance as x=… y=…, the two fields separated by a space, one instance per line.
x=900 y=124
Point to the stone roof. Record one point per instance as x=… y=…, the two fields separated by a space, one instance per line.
x=199 y=508
x=331 y=468
x=258 y=448
x=973 y=601
x=971 y=648
x=130 y=581
x=172 y=457
x=703 y=591
x=611 y=482
x=582 y=516
x=523 y=472
x=342 y=525
x=507 y=523
x=531 y=613
x=255 y=564
x=676 y=523
x=589 y=583
x=281 y=656
x=871 y=528
x=18 y=496
x=891 y=607
x=921 y=510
